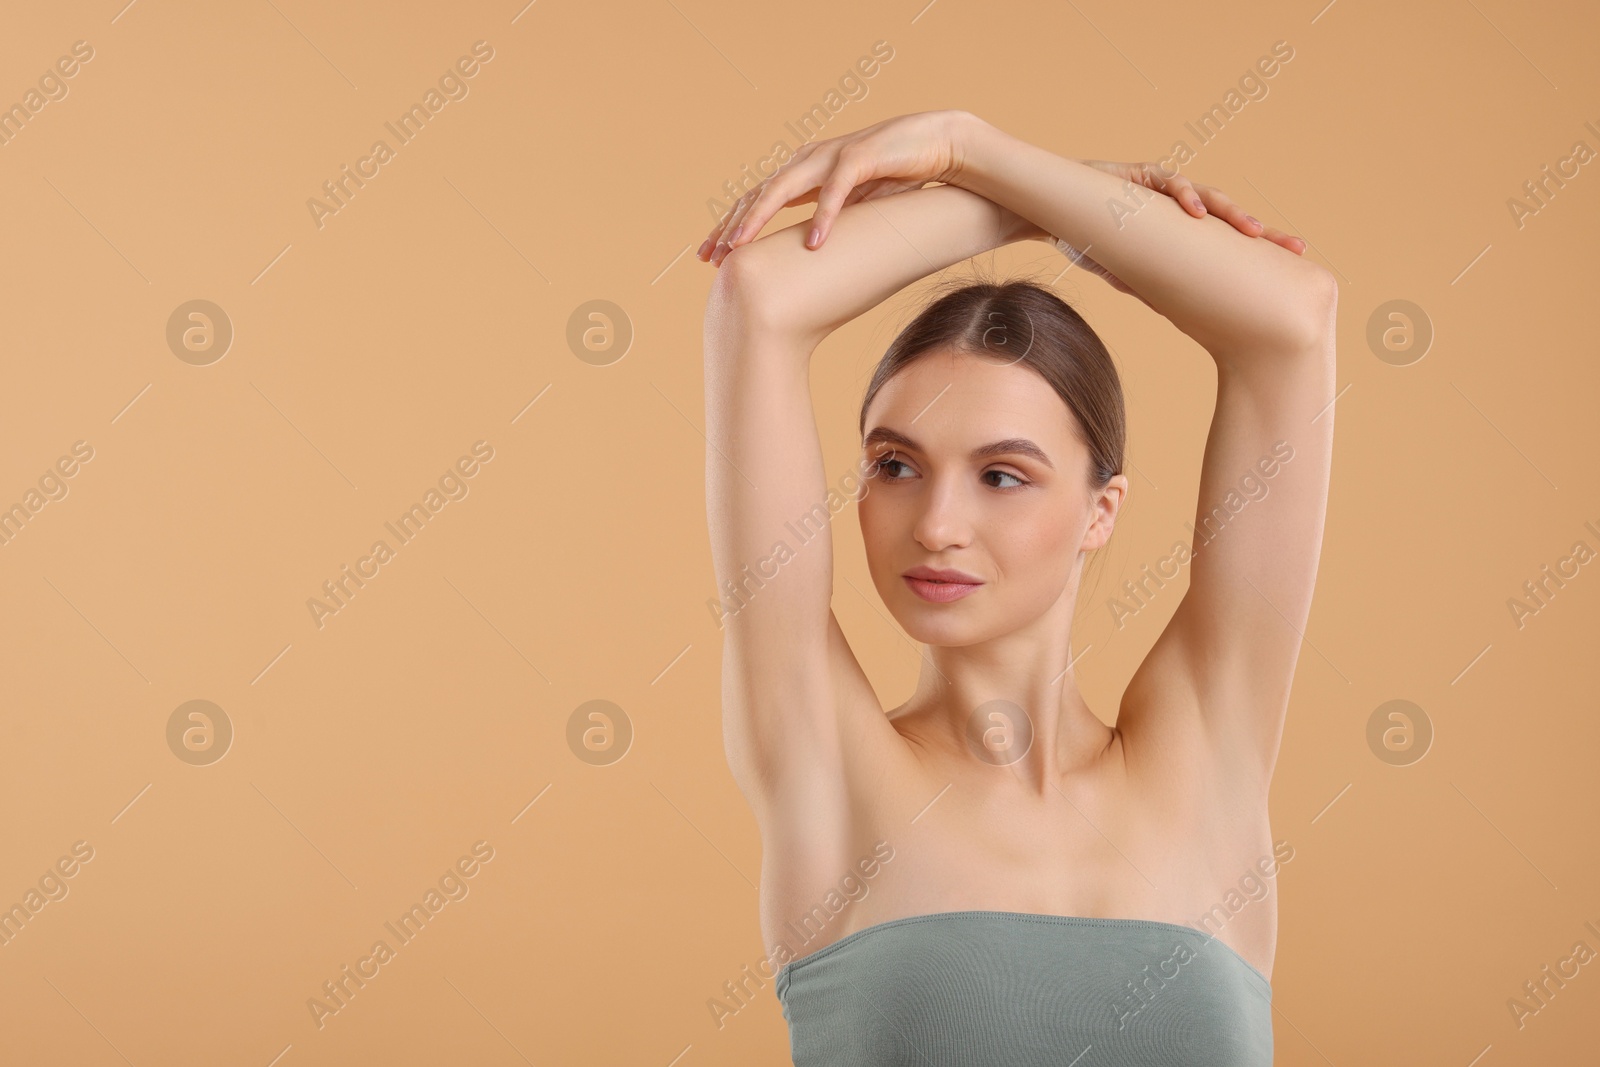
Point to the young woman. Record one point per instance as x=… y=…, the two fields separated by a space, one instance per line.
x=1025 y=884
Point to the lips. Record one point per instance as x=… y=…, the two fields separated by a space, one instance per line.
x=940 y=586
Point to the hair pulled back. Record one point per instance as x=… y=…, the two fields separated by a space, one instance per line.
x=1023 y=323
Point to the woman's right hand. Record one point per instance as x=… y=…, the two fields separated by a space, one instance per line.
x=893 y=156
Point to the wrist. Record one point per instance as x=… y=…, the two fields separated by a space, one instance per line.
x=973 y=146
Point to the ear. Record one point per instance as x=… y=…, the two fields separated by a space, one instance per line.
x=1107 y=504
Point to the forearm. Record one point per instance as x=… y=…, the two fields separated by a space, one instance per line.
x=1238 y=296
x=877 y=247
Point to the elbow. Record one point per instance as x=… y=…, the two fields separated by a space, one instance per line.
x=1317 y=308
x=743 y=295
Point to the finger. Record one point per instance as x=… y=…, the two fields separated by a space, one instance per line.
x=1179 y=188
x=846 y=173
x=796 y=184
x=724 y=225
x=1297 y=245
x=1223 y=207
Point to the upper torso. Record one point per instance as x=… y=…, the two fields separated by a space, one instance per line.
x=1158 y=828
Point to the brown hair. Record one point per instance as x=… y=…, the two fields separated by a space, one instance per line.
x=1031 y=326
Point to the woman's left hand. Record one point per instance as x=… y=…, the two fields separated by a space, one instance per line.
x=1196 y=199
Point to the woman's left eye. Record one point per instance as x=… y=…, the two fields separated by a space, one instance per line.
x=1006 y=474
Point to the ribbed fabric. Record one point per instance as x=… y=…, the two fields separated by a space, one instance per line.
x=1010 y=989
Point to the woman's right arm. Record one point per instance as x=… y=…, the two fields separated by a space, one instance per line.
x=769 y=498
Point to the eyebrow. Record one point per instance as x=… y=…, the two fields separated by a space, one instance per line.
x=1010 y=446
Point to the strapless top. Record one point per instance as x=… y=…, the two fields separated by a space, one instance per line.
x=1011 y=989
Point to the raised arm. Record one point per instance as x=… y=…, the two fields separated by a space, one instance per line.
x=769 y=499
x=1263 y=313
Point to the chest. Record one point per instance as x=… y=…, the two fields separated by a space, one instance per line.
x=921 y=841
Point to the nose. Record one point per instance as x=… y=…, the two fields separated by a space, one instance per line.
x=944 y=521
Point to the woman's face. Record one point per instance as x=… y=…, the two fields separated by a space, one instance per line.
x=980 y=471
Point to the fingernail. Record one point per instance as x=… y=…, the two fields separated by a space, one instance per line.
x=705 y=246
x=813 y=237
x=1198 y=206
x=734 y=236
x=1253 y=219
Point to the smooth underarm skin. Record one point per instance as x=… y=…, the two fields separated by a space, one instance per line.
x=1005 y=989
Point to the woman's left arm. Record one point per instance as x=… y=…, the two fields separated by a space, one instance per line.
x=1266 y=316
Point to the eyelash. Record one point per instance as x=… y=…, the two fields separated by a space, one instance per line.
x=1022 y=483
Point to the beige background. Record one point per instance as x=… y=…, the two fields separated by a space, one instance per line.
x=427 y=714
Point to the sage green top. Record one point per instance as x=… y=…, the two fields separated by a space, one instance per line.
x=1010 y=989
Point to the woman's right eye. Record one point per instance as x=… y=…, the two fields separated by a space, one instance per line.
x=886 y=465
